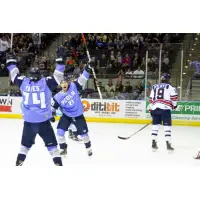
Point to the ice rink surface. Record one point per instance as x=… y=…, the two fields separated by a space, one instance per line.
x=107 y=148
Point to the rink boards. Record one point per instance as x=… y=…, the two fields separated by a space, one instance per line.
x=113 y=111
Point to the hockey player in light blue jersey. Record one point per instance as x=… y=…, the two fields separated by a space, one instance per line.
x=68 y=99
x=36 y=107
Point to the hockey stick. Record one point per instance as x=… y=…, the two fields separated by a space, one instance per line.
x=126 y=138
x=88 y=55
x=11 y=44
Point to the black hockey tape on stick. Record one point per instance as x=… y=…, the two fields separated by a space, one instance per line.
x=93 y=72
x=126 y=138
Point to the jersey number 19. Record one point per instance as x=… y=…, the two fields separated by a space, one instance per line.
x=158 y=93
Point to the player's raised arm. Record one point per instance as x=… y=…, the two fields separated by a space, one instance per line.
x=83 y=78
x=11 y=63
x=55 y=80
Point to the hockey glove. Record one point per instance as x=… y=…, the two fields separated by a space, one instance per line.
x=11 y=59
x=175 y=107
x=150 y=111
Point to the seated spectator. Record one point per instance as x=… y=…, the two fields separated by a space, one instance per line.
x=141 y=96
x=102 y=89
x=128 y=88
x=102 y=64
x=110 y=89
x=165 y=64
x=118 y=59
x=119 y=87
x=149 y=86
x=137 y=61
x=126 y=61
x=139 y=88
x=129 y=74
x=112 y=59
x=138 y=73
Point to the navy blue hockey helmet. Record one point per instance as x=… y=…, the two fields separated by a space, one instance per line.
x=165 y=77
x=35 y=74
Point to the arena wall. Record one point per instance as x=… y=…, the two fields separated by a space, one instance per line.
x=114 y=111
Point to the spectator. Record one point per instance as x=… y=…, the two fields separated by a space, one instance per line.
x=129 y=73
x=148 y=87
x=118 y=58
x=110 y=89
x=166 y=60
x=102 y=65
x=137 y=61
x=165 y=66
x=128 y=88
x=139 y=88
x=138 y=73
x=126 y=62
x=112 y=59
x=102 y=89
x=119 y=86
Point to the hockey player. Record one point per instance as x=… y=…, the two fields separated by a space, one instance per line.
x=163 y=99
x=36 y=107
x=70 y=102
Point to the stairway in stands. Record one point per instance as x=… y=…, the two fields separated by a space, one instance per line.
x=51 y=51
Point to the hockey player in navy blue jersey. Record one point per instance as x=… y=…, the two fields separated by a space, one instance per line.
x=68 y=99
x=36 y=107
x=163 y=99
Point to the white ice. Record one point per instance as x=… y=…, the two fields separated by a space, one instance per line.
x=107 y=148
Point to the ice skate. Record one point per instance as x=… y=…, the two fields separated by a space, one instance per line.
x=169 y=147
x=154 y=145
x=70 y=134
x=198 y=156
x=75 y=138
x=90 y=152
x=63 y=152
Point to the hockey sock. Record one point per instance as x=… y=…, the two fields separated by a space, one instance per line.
x=22 y=155
x=167 y=130
x=154 y=132
x=86 y=139
x=54 y=152
x=61 y=139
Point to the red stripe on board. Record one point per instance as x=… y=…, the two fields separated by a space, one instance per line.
x=5 y=108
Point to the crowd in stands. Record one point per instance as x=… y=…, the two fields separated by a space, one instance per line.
x=27 y=47
x=114 y=56
x=121 y=56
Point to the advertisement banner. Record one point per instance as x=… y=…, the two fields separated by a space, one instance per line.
x=185 y=111
x=134 y=109
x=114 y=108
x=103 y=108
x=186 y=108
x=13 y=106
